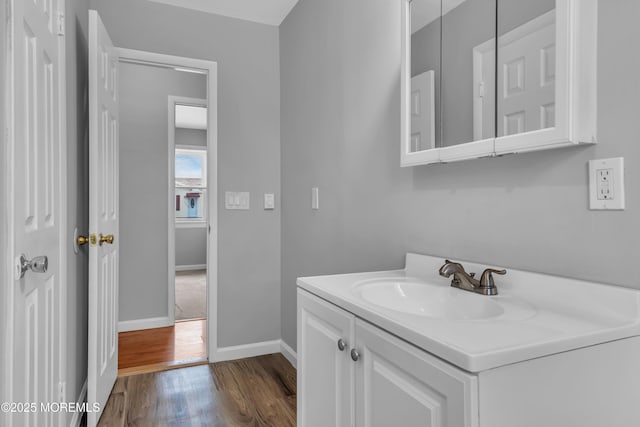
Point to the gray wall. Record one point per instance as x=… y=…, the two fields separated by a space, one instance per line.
x=144 y=184
x=191 y=136
x=191 y=246
x=76 y=20
x=248 y=147
x=340 y=131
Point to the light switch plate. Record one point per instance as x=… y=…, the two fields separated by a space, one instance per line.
x=606 y=184
x=315 y=199
x=234 y=200
x=269 y=201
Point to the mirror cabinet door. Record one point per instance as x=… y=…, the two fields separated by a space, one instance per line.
x=546 y=74
x=526 y=66
x=448 y=80
x=423 y=37
x=468 y=76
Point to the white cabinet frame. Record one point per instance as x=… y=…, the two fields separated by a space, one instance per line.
x=575 y=92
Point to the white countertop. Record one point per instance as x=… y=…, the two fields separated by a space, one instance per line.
x=568 y=314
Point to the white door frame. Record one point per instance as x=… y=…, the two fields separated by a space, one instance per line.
x=210 y=69
x=5 y=217
x=171 y=105
x=7 y=190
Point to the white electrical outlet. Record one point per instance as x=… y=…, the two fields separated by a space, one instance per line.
x=606 y=184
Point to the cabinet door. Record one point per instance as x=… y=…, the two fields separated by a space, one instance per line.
x=325 y=373
x=398 y=384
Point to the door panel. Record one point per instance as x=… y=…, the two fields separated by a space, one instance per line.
x=35 y=127
x=325 y=373
x=103 y=215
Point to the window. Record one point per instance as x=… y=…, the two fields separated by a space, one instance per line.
x=191 y=184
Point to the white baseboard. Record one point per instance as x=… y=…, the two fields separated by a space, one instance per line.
x=247 y=350
x=150 y=323
x=77 y=416
x=191 y=267
x=289 y=354
x=256 y=349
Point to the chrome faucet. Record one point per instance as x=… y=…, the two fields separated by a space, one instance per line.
x=468 y=282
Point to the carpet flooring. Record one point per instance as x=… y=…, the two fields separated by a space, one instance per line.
x=191 y=294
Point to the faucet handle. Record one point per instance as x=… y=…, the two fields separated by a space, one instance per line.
x=486 y=280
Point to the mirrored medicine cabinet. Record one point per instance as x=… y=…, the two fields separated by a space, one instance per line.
x=460 y=101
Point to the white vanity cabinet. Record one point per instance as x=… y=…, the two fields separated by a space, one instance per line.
x=558 y=353
x=376 y=379
x=394 y=383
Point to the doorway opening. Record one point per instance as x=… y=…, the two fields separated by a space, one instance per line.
x=168 y=212
x=188 y=142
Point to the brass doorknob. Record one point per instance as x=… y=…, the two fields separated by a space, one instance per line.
x=106 y=239
x=82 y=240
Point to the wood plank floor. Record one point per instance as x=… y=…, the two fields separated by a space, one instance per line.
x=258 y=391
x=162 y=348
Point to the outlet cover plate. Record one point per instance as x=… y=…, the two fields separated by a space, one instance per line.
x=612 y=170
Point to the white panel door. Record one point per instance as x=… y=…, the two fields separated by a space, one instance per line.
x=423 y=129
x=400 y=385
x=325 y=371
x=103 y=215
x=526 y=75
x=35 y=127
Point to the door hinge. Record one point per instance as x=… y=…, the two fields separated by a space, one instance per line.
x=60 y=23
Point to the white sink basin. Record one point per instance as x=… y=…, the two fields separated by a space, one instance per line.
x=422 y=299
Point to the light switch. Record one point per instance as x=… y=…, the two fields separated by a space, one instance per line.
x=315 y=199
x=236 y=200
x=269 y=201
x=606 y=184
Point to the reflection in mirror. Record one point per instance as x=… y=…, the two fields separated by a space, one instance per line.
x=468 y=71
x=425 y=74
x=526 y=66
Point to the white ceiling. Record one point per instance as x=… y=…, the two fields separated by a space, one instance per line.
x=271 y=12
